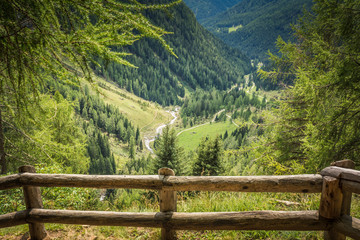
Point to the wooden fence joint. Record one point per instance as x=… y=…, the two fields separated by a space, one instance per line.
x=168 y=201
x=33 y=199
x=335 y=199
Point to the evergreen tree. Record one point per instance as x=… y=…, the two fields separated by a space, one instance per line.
x=132 y=151
x=319 y=117
x=56 y=40
x=168 y=153
x=208 y=161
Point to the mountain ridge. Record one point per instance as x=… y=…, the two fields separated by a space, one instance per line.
x=254 y=25
x=203 y=61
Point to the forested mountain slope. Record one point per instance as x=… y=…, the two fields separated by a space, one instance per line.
x=203 y=61
x=204 y=9
x=254 y=25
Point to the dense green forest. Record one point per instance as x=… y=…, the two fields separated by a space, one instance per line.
x=37 y=51
x=206 y=9
x=202 y=61
x=317 y=119
x=254 y=25
x=203 y=105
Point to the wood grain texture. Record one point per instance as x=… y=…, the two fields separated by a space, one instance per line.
x=10 y=182
x=254 y=220
x=13 y=219
x=168 y=202
x=33 y=199
x=350 y=186
x=308 y=183
x=92 y=181
x=346 y=201
x=331 y=198
x=348 y=226
x=346 y=163
x=343 y=173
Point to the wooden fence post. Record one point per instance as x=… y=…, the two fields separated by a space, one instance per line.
x=167 y=204
x=33 y=200
x=342 y=199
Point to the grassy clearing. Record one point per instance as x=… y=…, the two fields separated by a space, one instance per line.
x=191 y=137
x=144 y=114
x=234 y=28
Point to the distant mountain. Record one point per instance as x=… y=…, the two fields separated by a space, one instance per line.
x=203 y=61
x=204 y=9
x=254 y=25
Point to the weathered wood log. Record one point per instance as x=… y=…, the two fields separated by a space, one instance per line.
x=346 y=163
x=331 y=198
x=10 y=182
x=92 y=181
x=343 y=173
x=13 y=219
x=167 y=201
x=346 y=201
x=350 y=186
x=309 y=183
x=253 y=220
x=348 y=226
x=33 y=199
x=98 y=218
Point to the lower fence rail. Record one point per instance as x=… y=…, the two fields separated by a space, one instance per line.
x=252 y=220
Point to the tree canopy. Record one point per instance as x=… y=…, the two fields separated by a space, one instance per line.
x=58 y=40
x=319 y=116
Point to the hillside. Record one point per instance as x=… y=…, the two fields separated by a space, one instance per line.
x=204 y=9
x=254 y=25
x=203 y=61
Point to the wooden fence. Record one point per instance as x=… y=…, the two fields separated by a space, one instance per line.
x=336 y=185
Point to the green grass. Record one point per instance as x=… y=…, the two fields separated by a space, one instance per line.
x=234 y=28
x=190 y=138
x=144 y=114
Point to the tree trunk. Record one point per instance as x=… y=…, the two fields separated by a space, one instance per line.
x=2 y=147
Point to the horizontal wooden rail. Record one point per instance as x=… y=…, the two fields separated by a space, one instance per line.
x=78 y=180
x=287 y=183
x=13 y=219
x=350 y=186
x=342 y=173
x=10 y=182
x=307 y=183
x=253 y=220
x=348 y=226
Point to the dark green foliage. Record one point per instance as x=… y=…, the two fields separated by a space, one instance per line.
x=101 y=159
x=262 y=22
x=205 y=9
x=203 y=105
x=91 y=107
x=57 y=40
x=138 y=166
x=168 y=153
x=203 y=61
x=208 y=161
x=319 y=117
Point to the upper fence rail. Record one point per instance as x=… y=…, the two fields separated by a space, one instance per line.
x=306 y=183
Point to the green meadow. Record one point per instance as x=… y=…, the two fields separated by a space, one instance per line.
x=190 y=138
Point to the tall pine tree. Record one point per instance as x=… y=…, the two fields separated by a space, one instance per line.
x=319 y=116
